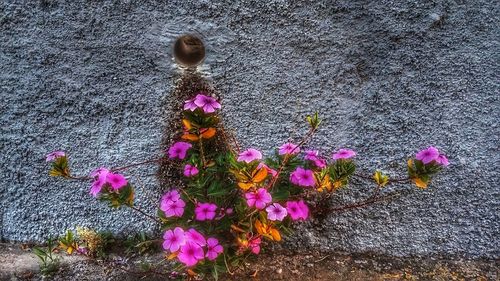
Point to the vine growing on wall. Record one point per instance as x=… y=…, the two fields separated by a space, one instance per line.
x=234 y=201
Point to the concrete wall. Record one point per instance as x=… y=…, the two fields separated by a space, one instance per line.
x=95 y=78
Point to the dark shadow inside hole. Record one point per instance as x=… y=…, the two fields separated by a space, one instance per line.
x=189 y=50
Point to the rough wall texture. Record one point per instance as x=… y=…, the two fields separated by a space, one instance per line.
x=389 y=77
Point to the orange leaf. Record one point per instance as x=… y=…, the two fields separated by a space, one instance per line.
x=190 y=137
x=260 y=175
x=420 y=183
x=172 y=256
x=187 y=124
x=208 y=133
x=245 y=186
x=275 y=234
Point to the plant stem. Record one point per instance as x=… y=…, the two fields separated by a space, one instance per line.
x=391 y=180
x=144 y=214
x=116 y=169
x=82 y=178
x=202 y=152
x=137 y=164
x=371 y=200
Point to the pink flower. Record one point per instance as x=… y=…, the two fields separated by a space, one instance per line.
x=442 y=160
x=259 y=199
x=97 y=185
x=320 y=163
x=273 y=172
x=208 y=104
x=289 y=148
x=213 y=249
x=116 y=181
x=302 y=177
x=343 y=154
x=195 y=237
x=303 y=209
x=179 y=150
x=82 y=250
x=104 y=176
x=174 y=239
x=190 y=170
x=311 y=155
x=276 y=212
x=427 y=155
x=297 y=210
x=173 y=208
x=190 y=254
x=171 y=196
x=190 y=105
x=249 y=155
x=100 y=174
x=254 y=245
x=205 y=211
x=54 y=155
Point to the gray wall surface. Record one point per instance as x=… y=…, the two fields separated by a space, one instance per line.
x=94 y=78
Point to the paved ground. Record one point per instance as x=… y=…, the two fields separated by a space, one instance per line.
x=18 y=264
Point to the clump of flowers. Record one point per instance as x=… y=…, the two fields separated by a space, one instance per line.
x=232 y=203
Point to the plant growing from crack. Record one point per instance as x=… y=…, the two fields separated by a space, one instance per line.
x=49 y=262
x=234 y=201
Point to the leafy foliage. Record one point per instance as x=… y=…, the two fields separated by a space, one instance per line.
x=49 y=263
x=231 y=202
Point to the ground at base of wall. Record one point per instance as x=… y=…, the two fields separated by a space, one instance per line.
x=17 y=262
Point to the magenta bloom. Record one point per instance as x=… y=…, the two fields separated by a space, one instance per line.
x=311 y=155
x=174 y=239
x=100 y=174
x=213 y=249
x=289 y=148
x=205 y=211
x=259 y=199
x=208 y=104
x=442 y=160
x=54 y=155
x=297 y=210
x=190 y=254
x=302 y=177
x=179 y=150
x=195 y=237
x=276 y=212
x=190 y=105
x=254 y=245
x=116 y=181
x=303 y=209
x=273 y=172
x=343 y=154
x=171 y=196
x=190 y=170
x=320 y=163
x=104 y=176
x=97 y=185
x=427 y=155
x=249 y=155
x=173 y=208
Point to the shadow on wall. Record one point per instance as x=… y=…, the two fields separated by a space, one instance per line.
x=186 y=87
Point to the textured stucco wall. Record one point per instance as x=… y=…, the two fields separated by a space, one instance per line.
x=388 y=77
